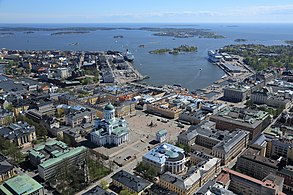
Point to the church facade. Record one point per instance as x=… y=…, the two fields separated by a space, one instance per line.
x=110 y=130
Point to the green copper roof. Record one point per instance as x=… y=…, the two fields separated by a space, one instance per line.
x=21 y=184
x=172 y=154
x=162 y=132
x=62 y=156
x=109 y=106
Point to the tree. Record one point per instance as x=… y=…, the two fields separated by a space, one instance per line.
x=146 y=170
x=185 y=147
x=10 y=149
x=104 y=184
x=9 y=107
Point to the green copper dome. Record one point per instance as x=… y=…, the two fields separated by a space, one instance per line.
x=172 y=154
x=109 y=106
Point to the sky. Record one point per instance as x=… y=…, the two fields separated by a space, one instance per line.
x=146 y=11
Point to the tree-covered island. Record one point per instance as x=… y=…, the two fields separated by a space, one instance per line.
x=178 y=50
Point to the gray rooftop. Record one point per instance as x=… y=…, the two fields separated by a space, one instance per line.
x=16 y=130
x=252 y=155
x=131 y=181
x=225 y=140
x=5 y=166
x=98 y=191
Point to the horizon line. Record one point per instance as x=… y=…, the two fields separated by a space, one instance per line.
x=190 y=23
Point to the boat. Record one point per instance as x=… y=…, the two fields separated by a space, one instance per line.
x=225 y=76
x=177 y=85
x=141 y=46
x=74 y=44
x=214 y=56
x=128 y=56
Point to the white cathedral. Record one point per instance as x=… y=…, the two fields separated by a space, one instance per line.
x=109 y=131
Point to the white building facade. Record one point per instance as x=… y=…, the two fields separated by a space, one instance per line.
x=109 y=131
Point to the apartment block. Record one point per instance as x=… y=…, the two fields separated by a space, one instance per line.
x=53 y=156
x=253 y=121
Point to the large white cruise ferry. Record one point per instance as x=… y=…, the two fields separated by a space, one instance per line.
x=214 y=56
x=128 y=56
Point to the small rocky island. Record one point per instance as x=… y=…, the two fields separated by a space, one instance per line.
x=240 y=40
x=178 y=50
x=118 y=36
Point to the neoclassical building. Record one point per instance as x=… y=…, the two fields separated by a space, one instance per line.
x=109 y=130
x=165 y=157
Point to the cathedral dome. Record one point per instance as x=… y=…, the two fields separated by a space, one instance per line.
x=109 y=106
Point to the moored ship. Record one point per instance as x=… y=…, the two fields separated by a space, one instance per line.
x=214 y=56
x=128 y=56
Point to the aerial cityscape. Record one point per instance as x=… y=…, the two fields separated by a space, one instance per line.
x=146 y=97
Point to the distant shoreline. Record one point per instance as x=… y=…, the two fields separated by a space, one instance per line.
x=157 y=31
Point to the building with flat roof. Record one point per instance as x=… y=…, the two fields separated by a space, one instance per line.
x=223 y=144
x=279 y=141
x=213 y=188
x=193 y=117
x=236 y=93
x=78 y=117
x=21 y=185
x=130 y=182
x=50 y=157
x=265 y=96
x=255 y=165
x=165 y=157
x=20 y=133
x=194 y=178
x=243 y=184
x=287 y=174
x=253 y=121
x=166 y=108
x=232 y=67
x=161 y=135
x=156 y=189
x=109 y=130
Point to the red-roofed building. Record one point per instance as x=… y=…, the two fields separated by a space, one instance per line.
x=243 y=184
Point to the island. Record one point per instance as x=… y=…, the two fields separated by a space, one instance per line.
x=240 y=40
x=118 y=36
x=6 y=33
x=186 y=33
x=212 y=36
x=178 y=50
x=261 y=57
x=171 y=32
x=69 y=32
